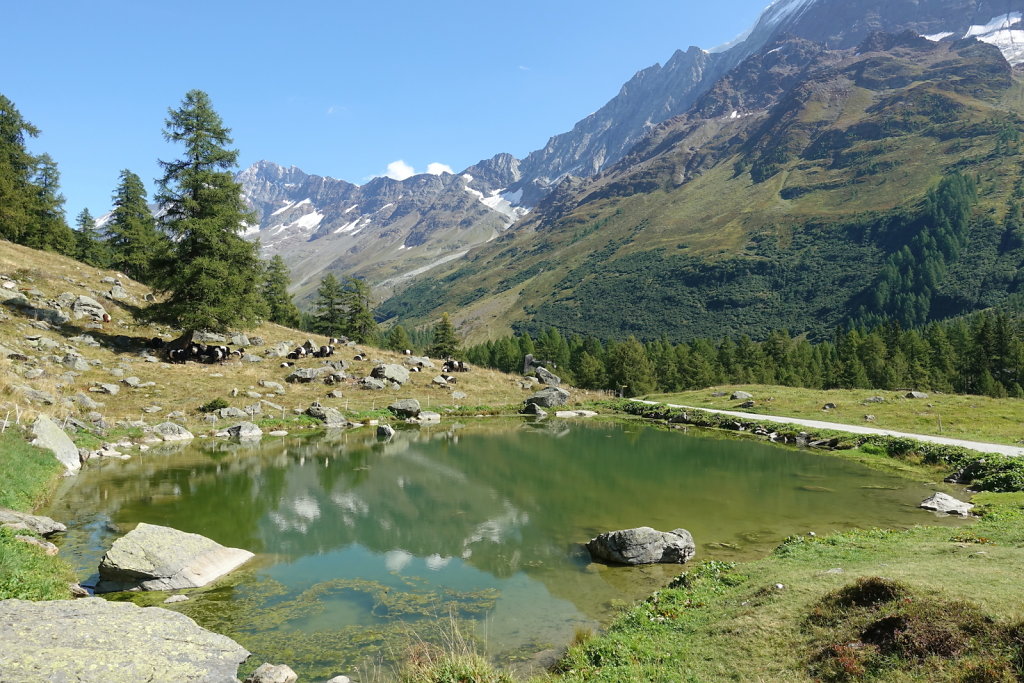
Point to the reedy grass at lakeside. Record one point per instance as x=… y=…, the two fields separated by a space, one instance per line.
x=27 y=476
x=975 y=418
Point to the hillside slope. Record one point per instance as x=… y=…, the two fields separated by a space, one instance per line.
x=52 y=362
x=779 y=201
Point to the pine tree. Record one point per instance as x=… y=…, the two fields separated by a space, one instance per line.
x=446 y=342
x=213 y=275
x=629 y=369
x=90 y=248
x=49 y=229
x=398 y=339
x=360 y=324
x=329 y=315
x=281 y=308
x=136 y=242
x=17 y=167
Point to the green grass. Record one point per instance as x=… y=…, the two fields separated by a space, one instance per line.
x=976 y=418
x=27 y=473
x=27 y=476
x=724 y=622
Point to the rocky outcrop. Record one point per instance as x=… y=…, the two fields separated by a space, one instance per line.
x=47 y=434
x=740 y=396
x=44 y=526
x=942 y=502
x=92 y=640
x=643 y=545
x=87 y=307
x=547 y=377
x=329 y=416
x=272 y=673
x=245 y=431
x=151 y=557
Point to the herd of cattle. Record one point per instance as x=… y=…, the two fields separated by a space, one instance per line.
x=218 y=353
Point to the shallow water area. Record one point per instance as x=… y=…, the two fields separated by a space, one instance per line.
x=365 y=546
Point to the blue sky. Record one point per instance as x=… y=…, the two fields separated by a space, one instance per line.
x=336 y=88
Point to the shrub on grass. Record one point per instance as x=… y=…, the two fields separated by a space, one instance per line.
x=214 y=405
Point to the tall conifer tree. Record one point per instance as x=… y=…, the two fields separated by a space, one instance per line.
x=446 y=342
x=17 y=167
x=213 y=275
x=275 y=292
x=329 y=315
x=136 y=242
x=360 y=324
x=90 y=247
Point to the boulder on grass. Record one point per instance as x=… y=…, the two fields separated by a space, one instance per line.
x=391 y=372
x=740 y=396
x=245 y=431
x=643 y=545
x=552 y=397
x=159 y=558
x=44 y=526
x=47 y=434
x=329 y=416
x=407 y=407
x=916 y=394
x=168 y=431
x=547 y=377
x=92 y=640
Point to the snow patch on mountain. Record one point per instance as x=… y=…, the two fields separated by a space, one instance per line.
x=780 y=10
x=999 y=31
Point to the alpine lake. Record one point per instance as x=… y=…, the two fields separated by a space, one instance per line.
x=366 y=548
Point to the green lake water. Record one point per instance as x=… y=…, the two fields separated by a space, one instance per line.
x=364 y=546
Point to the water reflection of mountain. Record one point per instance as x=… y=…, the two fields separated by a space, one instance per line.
x=518 y=501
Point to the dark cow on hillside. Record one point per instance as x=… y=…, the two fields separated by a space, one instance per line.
x=451 y=365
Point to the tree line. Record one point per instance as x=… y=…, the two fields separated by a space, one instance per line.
x=193 y=252
x=977 y=354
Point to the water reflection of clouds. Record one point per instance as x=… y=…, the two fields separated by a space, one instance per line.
x=396 y=560
x=436 y=563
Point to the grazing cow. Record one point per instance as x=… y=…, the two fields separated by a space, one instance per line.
x=286 y=364
x=359 y=356
x=449 y=379
x=416 y=369
x=157 y=343
x=407 y=352
x=178 y=355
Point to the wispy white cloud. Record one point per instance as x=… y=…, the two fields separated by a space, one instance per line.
x=399 y=170
x=437 y=168
x=523 y=68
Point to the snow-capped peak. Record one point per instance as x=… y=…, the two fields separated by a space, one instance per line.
x=998 y=32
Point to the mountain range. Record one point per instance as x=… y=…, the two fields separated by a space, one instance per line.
x=706 y=174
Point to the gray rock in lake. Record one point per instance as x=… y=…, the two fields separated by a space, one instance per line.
x=547 y=377
x=533 y=409
x=740 y=396
x=552 y=397
x=942 y=502
x=643 y=545
x=168 y=431
x=385 y=431
x=406 y=407
x=92 y=640
x=272 y=673
x=428 y=416
x=47 y=434
x=245 y=431
x=44 y=526
x=159 y=558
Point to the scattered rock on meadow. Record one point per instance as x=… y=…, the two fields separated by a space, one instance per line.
x=391 y=372
x=643 y=545
x=329 y=416
x=231 y=412
x=740 y=396
x=372 y=384
x=547 y=377
x=916 y=394
x=45 y=546
x=105 y=388
x=428 y=416
x=87 y=307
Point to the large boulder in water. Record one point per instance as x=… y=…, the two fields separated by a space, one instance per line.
x=943 y=502
x=159 y=558
x=92 y=640
x=406 y=407
x=44 y=526
x=643 y=545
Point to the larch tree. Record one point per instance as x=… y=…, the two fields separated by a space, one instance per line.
x=212 y=275
x=328 y=313
x=276 y=280
x=446 y=342
x=17 y=167
x=135 y=241
x=360 y=324
x=397 y=339
x=90 y=247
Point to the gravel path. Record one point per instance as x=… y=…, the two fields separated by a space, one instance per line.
x=857 y=429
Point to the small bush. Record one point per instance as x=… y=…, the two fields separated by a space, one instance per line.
x=214 y=405
x=869 y=591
